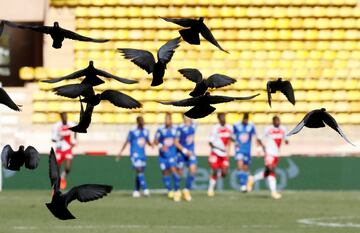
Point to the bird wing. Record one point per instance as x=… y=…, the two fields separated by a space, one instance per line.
x=217 y=99
x=288 y=91
x=186 y=102
x=193 y=75
x=120 y=99
x=206 y=33
x=32 y=157
x=302 y=123
x=74 y=90
x=108 y=75
x=166 y=51
x=268 y=89
x=54 y=172
x=5 y=99
x=75 y=36
x=219 y=80
x=42 y=29
x=5 y=154
x=76 y=74
x=87 y=192
x=331 y=122
x=142 y=58
x=181 y=21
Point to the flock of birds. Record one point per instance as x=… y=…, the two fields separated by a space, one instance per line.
x=201 y=100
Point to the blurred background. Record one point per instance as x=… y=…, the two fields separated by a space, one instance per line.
x=313 y=43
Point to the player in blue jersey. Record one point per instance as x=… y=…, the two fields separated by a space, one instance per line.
x=138 y=138
x=165 y=140
x=243 y=133
x=186 y=153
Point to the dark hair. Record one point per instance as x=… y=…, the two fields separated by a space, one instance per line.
x=246 y=116
x=220 y=114
x=275 y=118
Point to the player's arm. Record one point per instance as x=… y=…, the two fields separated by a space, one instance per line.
x=157 y=141
x=54 y=134
x=182 y=148
x=260 y=140
x=74 y=142
x=286 y=139
x=117 y=158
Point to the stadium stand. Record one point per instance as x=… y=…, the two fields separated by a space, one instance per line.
x=314 y=44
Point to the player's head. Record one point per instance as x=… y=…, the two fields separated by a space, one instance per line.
x=63 y=117
x=221 y=117
x=245 y=119
x=140 y=121
x=187 y=120
x=276 y=121
x=168 y=119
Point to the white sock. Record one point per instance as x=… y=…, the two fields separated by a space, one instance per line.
x=259 y=176
x=212 y=184
x=272 y=183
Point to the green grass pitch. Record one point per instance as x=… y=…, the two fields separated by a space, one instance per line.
x=306 y=211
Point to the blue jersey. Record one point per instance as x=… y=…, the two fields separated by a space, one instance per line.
x=185 y=134
x=138 y=139
x=243 y=135
x=166 y=136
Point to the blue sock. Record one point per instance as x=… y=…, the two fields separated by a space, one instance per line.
x=137 y=183
x=167 y=182
x=242 y=177
x=176 y=179
x=189 y=181
x=142 y=182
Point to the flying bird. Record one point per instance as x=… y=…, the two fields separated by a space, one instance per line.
x=85 y=119
x=6 y=100
x=284 y=86
x=201 y=105
x=214 y=81
x=317 y=119
x=194 y=27
x=58 y=34
x=83 y=193
x=117 y=98
x=14 y=160
x=146 y=61
x=91 y=76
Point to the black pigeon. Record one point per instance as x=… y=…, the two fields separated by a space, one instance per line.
x=284 y=86
x=202 y=104
x=6 y=100
x=117 y=98
x=317 y=119
x=214 y=81
x=85 y=119
x=91 y=76
x=82 y=193
x=194 y=27
x=58 y=34
x=14 y=160
x=146 y=61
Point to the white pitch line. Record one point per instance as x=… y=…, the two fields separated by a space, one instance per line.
x=332 y=222
x=134 y=226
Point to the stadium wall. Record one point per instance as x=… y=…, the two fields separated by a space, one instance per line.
x=294 y=173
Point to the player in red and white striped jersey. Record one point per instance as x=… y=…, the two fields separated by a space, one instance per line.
x=272 y=138
x=220 y=140
x=64 y=140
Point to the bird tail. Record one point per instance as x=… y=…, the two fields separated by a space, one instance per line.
x=78 y=129
x=191 y=36
x=60 y=213
x=199 y=111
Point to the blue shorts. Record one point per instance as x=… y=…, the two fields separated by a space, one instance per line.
x=138 y=162
x=184 y=160
x=167 y=162
x=245 y=157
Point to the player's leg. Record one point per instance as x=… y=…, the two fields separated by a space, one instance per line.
x=242 y=171
x=165 y=170
x=141 y=178
x=192 y=166
x=176 y=178
x=135 y=165
x=68 y=157
x=271 y=177
x=213 y=162
x=224 y=166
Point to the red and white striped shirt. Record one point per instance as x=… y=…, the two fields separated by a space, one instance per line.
x=220 y=138
x=274 y=137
